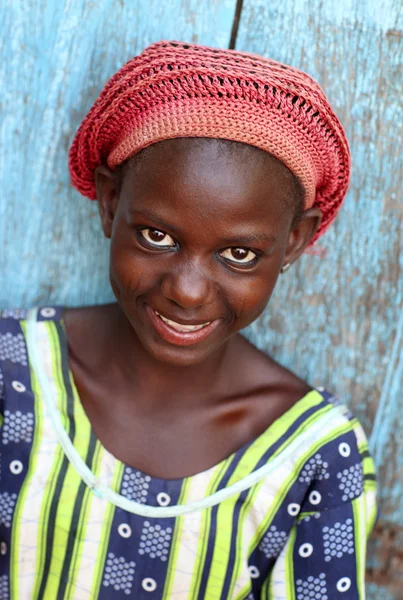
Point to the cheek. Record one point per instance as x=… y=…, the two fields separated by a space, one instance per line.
x=129 y=273
x=250 y=300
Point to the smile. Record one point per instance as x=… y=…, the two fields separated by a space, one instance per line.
x=179 y=326
x=179 y=334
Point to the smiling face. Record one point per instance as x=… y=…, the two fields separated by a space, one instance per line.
x=199 y=231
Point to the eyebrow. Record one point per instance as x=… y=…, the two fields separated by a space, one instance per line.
x=247 y=239
x=150 y=215
x=250 y=239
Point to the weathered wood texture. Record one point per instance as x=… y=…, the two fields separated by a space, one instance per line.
x=337 y=321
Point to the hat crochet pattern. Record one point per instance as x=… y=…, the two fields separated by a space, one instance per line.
x=174 y=89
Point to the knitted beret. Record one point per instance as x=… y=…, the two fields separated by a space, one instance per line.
x=174 y=90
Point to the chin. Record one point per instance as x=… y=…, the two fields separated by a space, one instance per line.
x=176 y=356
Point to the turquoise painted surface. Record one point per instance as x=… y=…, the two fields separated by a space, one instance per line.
x=337 y=321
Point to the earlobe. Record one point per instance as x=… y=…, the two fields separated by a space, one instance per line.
x=302 y=233
x=107 y=196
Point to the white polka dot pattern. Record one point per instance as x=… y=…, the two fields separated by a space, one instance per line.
x=343 y=584
x=4 y=586
x=344 y=449
x=338 y=540
x=293 y=509
x=155 y=541
x=273 y=542
x=15 y=313
x=149 y=585
x=12 y=347
x=253 y=572
x=135 y=485
x=163 y=499
x=125 y=530
x=16 y=467
x=7 y=503
x=17 y=427
x=305 y=550
x=1 y=386
x=315 y=468
x=19 y=387
x=312 y=588
x=351 y=481
x=315 y=498
x=48 y=312
x=309 y=517
x=119 y=574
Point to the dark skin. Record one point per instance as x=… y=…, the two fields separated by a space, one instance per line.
x=174 y=221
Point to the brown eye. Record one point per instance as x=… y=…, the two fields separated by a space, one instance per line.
x=155 y=237
x=242 y=256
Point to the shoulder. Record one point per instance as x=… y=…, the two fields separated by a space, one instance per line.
x=12 y=338
x=88 y=320
x=335 y=464
x=14 y=324
x=258 y=370
x=14 y=351
x=15 y=380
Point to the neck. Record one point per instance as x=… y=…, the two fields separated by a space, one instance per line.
x=159 y=385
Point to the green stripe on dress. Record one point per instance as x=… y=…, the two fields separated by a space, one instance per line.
x=360 y=542
x=82 y=530
x=217 y=476
x=86 y=443
x=54 y=490
x=79 y=524
x=305 y=426
x=106 y=531
x=289 y=564
x=176 y=540
x=69 y=486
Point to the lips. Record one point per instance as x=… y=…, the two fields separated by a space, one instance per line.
x=181 y=326
x=180 y=334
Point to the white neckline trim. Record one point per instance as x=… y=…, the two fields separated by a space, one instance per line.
x=131 y=506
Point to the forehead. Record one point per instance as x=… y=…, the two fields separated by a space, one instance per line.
x=209 y=177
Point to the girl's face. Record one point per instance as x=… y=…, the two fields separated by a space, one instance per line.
x=199 y=232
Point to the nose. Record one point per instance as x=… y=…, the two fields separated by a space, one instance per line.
x=189 y=285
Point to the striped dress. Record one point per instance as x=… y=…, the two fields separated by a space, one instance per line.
x=285 y=517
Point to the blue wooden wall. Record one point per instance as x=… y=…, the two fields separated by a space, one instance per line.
x=337 y=320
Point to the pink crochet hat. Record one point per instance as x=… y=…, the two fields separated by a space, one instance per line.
x=174 y=90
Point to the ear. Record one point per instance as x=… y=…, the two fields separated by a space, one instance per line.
x=301 y=233
x=107 y=196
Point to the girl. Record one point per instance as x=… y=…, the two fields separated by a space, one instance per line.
x=148 y=450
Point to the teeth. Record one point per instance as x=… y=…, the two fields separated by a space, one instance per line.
x=179 y=327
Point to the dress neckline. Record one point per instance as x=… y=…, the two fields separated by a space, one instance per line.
x=313 y=401
x=271 y=428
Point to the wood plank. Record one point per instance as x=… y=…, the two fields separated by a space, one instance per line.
x=338 y=321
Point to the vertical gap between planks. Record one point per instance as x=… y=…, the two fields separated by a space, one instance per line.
x=235 y=24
